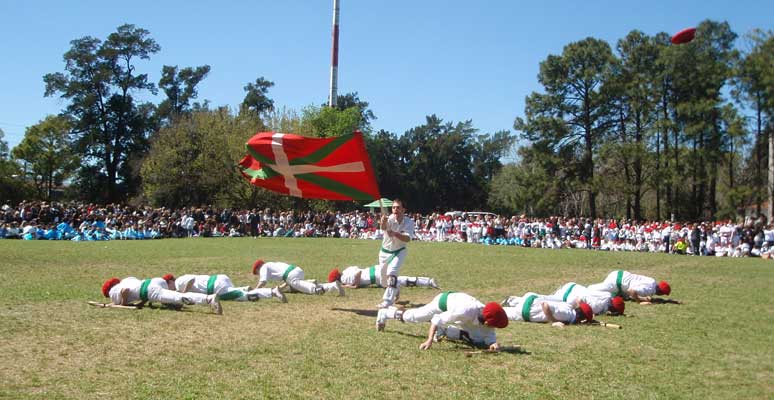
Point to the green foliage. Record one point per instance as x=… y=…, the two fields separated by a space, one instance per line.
x=574 y=112
x=444 y=165
x=12 y=187
x=256 y=101
x=47 y=155
x=54 y=343
x=180 y=88
x=352 y=99
x=99 y=84
x=193 y=161
x=328 y=122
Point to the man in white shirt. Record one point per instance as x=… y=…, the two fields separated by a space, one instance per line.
x=601 y=302
x=355 y=277
x=452 y=313
x=292 y=276
x=536 y=308
x=135 y=291
x=398 y=231
x=639 y=288
x=222 y=286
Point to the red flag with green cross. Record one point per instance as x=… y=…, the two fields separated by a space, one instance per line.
x=335 y=168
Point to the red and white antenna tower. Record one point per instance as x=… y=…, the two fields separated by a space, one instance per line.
x=334 y=56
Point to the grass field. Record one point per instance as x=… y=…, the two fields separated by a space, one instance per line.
x=719 y=344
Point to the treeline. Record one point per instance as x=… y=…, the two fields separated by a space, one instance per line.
x=649 y=130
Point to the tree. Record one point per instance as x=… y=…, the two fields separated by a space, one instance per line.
x=47 y=154
x=633 y=91
x=12 y=188
x=180 y=88
x=194 y=161
x=755 y=88
x=256 y=100
x=3 y=146
x=574 y=111
x=349 y=100
x=100 y=82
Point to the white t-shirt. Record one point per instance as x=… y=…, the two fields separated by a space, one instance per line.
x=563 y=312
x=272 y=271
x=462 y=310
x=406 y=227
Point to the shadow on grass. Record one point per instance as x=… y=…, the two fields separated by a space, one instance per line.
x=659 y=300
x=372 y=313
x=362 y=313
x=484 y=350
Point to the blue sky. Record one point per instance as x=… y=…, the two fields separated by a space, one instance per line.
x=408 y=59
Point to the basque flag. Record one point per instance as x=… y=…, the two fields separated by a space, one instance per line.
x=335 y=168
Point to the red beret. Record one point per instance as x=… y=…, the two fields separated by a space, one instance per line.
x=586 y=313
x=664 y=288
x=617 y=304
x=168 y=277
x=334 y=275
x=257 y=266
x=109 y=284
x=495 y=316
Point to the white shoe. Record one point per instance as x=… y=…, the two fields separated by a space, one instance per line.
x=279 y=295
x=440 y=334
x=506 y=302
x=213 y=301
x=381 y=320
x=434 y=284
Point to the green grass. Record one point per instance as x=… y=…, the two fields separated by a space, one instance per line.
x=53 y=345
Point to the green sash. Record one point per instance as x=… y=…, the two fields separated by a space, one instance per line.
x=525 y=307
x=144 y=290
x=567 y=293
x=618 y=280
x=287 y=271
x=211 y=284
x=442 y=301
x=394 y=252
x=372 y=275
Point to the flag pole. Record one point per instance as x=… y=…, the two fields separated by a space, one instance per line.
x=334 y=57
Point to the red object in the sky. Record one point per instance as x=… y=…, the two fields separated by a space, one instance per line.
x=684 y=36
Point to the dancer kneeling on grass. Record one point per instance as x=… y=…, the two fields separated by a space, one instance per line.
x=132 y=291
x=535 y=308
x=457 y=316
x=292 y=276
x=355 y=277
x=222 y=286
x=639 y=288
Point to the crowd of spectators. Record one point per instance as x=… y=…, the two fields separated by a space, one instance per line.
x=90 y=222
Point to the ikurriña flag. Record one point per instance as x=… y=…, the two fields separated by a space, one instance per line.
x=335 y=168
